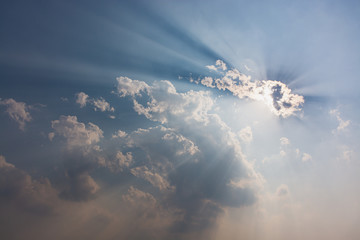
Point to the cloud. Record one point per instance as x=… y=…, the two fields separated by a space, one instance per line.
x=119 y=134
x=282 y=190
x=192 y=152
x=154 y=178
x=129 y=87
x=219 y=65
x=342 y=123
x=77 y=134
x=120 y=162
x=80 y=186
x=275 y=94
x=99 y=104
x=81 y=99
x=306 y=157
x=18 y=111
x=19 y=189
x=102 y=105
x=284 y=141
x=245 y=134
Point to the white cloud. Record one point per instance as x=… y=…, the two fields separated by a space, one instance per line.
x=18 y=111
x=120 y=162
x=245 y=134
x=275 y=94
x=76 y=133
x=207 y=81
x=119 y=134
x=166 y=103
x=81 y=99
x=99 y=104
x=342 y=123
x=219 y=65
x=211 y=67
x=195 y=146
x=102 y=105
x=129 y=87
x=306 y=157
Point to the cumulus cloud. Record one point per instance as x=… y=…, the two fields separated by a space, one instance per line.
x=99 y=104
x=127 y=86
x=77 y=134
x=154 y=178
x=119 y=134
x=194 y=153
x=275 y=94
x=219 y=65
x=306 y=157
x=81 y=99
x=18 y=111
x=102 y=105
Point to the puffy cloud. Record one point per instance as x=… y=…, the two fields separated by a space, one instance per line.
x=275 y=94
x=208 y=82
x=18 y=111
x=81 y=99
x=77 y=134
x=99 y=104
x=165 y=103
x=196 y=154
x=119 y=134
x=129 y=87
x=120 y=162
x=102 y=105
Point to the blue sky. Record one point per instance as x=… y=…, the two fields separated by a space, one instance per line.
x=179 y=120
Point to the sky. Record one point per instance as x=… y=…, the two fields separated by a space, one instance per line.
x=179 y=120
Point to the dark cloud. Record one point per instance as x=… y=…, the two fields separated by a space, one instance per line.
x=17 y=188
